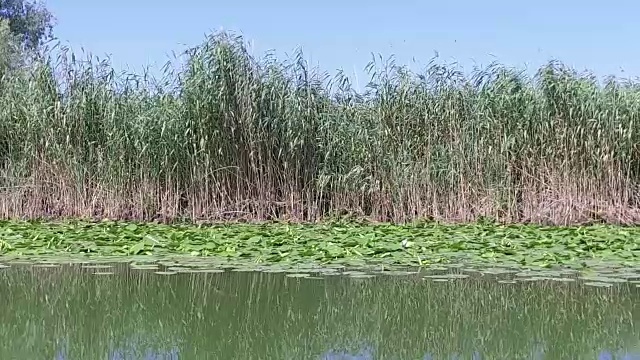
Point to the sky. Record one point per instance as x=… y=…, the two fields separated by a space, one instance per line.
x=600 y=36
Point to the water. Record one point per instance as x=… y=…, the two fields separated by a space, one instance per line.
x=69 y=313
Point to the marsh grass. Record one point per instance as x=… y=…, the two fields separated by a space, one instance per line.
x=229 y=136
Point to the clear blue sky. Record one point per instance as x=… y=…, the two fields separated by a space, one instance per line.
x=598 y=35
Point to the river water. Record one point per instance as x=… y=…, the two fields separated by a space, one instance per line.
x=70 y=313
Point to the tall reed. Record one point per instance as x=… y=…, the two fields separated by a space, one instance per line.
x=230 y=136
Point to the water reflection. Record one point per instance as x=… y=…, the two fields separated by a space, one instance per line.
x=366 y=353
x=66 y=314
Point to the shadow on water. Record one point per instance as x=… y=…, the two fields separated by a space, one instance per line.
x=69 y=313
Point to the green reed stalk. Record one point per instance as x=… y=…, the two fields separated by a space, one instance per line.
x=229 y=136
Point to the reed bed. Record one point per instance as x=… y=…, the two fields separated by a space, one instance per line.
x=228 y=136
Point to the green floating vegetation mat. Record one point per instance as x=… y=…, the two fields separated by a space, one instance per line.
x=496 y=249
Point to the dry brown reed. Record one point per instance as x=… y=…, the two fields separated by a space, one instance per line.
x=232 y=137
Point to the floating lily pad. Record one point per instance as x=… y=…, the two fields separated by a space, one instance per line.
x=228 y=266
x=447 y=276
x=438 y=268
x=167 y=263
x=601 y=279
x=471 y=270
x=397 y=273
x=497 y=271
x=178 y=269
x=361 y=276
x=207 y=271
x=298 y=275
x=525 y=274
x=273 y=271
x=97 y=266
x=297 y=271
x=598 y=284
x=46 y=266
x=350 y=273
x=327 y=270
x=144 y=267
x=629 y=276
x=535 y=278
x=165 y=272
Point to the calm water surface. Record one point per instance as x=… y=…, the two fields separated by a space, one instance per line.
x=69 y=313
